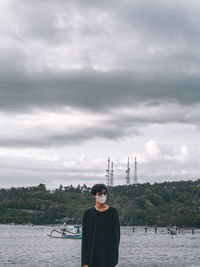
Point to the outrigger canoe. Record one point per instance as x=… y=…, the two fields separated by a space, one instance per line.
x=171 y=231
x=74 y=232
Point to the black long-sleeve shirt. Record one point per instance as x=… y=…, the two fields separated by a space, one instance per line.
x=100 y=237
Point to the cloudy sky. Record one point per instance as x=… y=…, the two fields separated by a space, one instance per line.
x=84 y=80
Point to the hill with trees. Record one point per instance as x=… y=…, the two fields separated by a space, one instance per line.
x=159 y=204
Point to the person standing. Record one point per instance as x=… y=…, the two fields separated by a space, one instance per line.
x=100 y=232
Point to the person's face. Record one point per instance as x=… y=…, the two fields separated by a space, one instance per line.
x=103 y=191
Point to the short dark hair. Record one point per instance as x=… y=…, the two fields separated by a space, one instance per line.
x=98 y=188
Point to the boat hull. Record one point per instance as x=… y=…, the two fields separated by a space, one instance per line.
x=72 y=236
x=66 y=237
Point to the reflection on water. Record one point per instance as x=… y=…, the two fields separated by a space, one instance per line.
x=30 y=246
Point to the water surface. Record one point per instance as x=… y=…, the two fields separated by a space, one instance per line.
x=26 y=245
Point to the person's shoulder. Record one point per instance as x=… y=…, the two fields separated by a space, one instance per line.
x=88 y=211
x=113 y=209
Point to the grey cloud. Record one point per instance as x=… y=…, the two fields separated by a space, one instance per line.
x=120 y=125
x=53 y=22
x=45 y=166
x=107 y=131
x=167 y=22
x=137 y=75
x=32 y=172
x=153 y=21
x=23 y=171
x=37 y=21
x=12 y=65
x=129 y=54
x=160 y=19
x=96 y=90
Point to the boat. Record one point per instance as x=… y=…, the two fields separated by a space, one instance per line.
x=171 y=231
x=71 y=231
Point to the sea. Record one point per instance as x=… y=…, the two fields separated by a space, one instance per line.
x=30 y=245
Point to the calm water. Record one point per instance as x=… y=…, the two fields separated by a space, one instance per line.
x=30 y=246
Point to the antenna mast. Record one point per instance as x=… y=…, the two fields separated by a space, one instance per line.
x=111 y=174
x=108 y=172
x=128 y=173
x=135 y=172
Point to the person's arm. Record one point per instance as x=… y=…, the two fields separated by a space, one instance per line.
x=116 y=238
x=117 y=229
x=84 y=243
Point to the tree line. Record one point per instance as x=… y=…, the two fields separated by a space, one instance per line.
x=159 y=204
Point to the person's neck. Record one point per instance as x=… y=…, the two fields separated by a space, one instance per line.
x=100 y=206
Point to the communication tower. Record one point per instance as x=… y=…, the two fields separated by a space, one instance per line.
x=128 y=173
x=111 y=174
x=108 y=172
x=135 y=172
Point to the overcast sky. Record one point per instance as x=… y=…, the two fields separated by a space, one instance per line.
x=84 y=80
